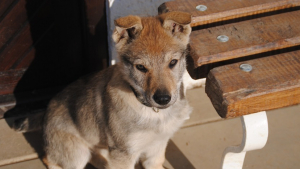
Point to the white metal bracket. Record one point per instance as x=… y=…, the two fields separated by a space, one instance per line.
x=255 y=136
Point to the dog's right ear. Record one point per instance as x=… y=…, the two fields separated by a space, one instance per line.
x=127 y=28
x=177 y=24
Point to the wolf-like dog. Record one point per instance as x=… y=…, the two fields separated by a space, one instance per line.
x=127 y=112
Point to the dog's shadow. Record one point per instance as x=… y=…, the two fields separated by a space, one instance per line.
x=174 y=156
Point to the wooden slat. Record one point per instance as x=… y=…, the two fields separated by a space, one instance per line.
x=26 y=60
x=246 y=38
x=18 y=39
x=9 y=80
x=13 y=51
x=274 y=82
x=16 y=19
x=4 y=4
x=12 y=22
x=224 y=10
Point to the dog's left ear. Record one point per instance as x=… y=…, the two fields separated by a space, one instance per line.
x=177 y=24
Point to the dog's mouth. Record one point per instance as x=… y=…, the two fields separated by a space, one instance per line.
x=140 y=97
x=147 y=102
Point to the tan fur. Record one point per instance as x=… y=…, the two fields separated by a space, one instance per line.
x=128 y=112
x=49 y=164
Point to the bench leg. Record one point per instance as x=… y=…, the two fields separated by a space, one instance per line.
x=255 y=136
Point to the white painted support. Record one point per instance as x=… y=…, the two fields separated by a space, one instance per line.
x=255 y=136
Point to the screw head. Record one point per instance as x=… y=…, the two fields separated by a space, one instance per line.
x=246 y=67
x=201 y=8
x=223 y=38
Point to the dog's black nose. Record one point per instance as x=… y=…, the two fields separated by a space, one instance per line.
x=161 y=99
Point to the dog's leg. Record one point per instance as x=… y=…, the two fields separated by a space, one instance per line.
x=121 y=160
x=154 y=156
x=49 y=164
x=66 y=151
x=53 y=167
x=190 y=83
x=99 y=157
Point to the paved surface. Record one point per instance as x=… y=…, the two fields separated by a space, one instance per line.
x=198 y=144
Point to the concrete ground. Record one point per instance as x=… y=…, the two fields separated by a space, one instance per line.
x=197 y=145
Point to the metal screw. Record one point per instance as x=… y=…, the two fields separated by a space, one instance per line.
x=223 y=38
x=201 y=7
x=246 y=67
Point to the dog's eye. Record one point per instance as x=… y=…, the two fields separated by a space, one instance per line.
x=141 y=68
x=173 y=63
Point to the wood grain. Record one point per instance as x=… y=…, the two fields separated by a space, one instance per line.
x=224 y=10
x=17 y=27
x=14 y=50
x=273 y=83
x=12 y=22
x=246 y=38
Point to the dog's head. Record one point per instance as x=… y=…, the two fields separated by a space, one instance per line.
x=152 y=53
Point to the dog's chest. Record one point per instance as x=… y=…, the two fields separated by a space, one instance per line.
x=148 y=128
x=165 y=120
x=157 y=128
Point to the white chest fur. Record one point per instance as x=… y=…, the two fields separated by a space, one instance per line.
x=162 y=125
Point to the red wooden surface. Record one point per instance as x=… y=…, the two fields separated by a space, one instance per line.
x=47 y=44
x=246 y=38
x=273 y=82
x=222 y=10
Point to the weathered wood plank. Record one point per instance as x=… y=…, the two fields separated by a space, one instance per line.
x=224 y=10
x=14 y=50
x=18 y=39
x=274 y=82
x=15 y=20
x=246 y=38
x=4 y=5
x=25 y=61
x=12 y=22
x=9 y=80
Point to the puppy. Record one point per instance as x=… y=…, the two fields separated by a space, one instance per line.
x=128 y=112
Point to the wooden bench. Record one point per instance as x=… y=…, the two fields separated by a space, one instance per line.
x=249 y=51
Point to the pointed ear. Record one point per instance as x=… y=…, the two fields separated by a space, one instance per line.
x=127 y=28
x=177 y=24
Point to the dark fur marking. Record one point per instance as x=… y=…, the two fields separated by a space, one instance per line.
x=149 y=80
x=181 y=92
x=126 y=60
